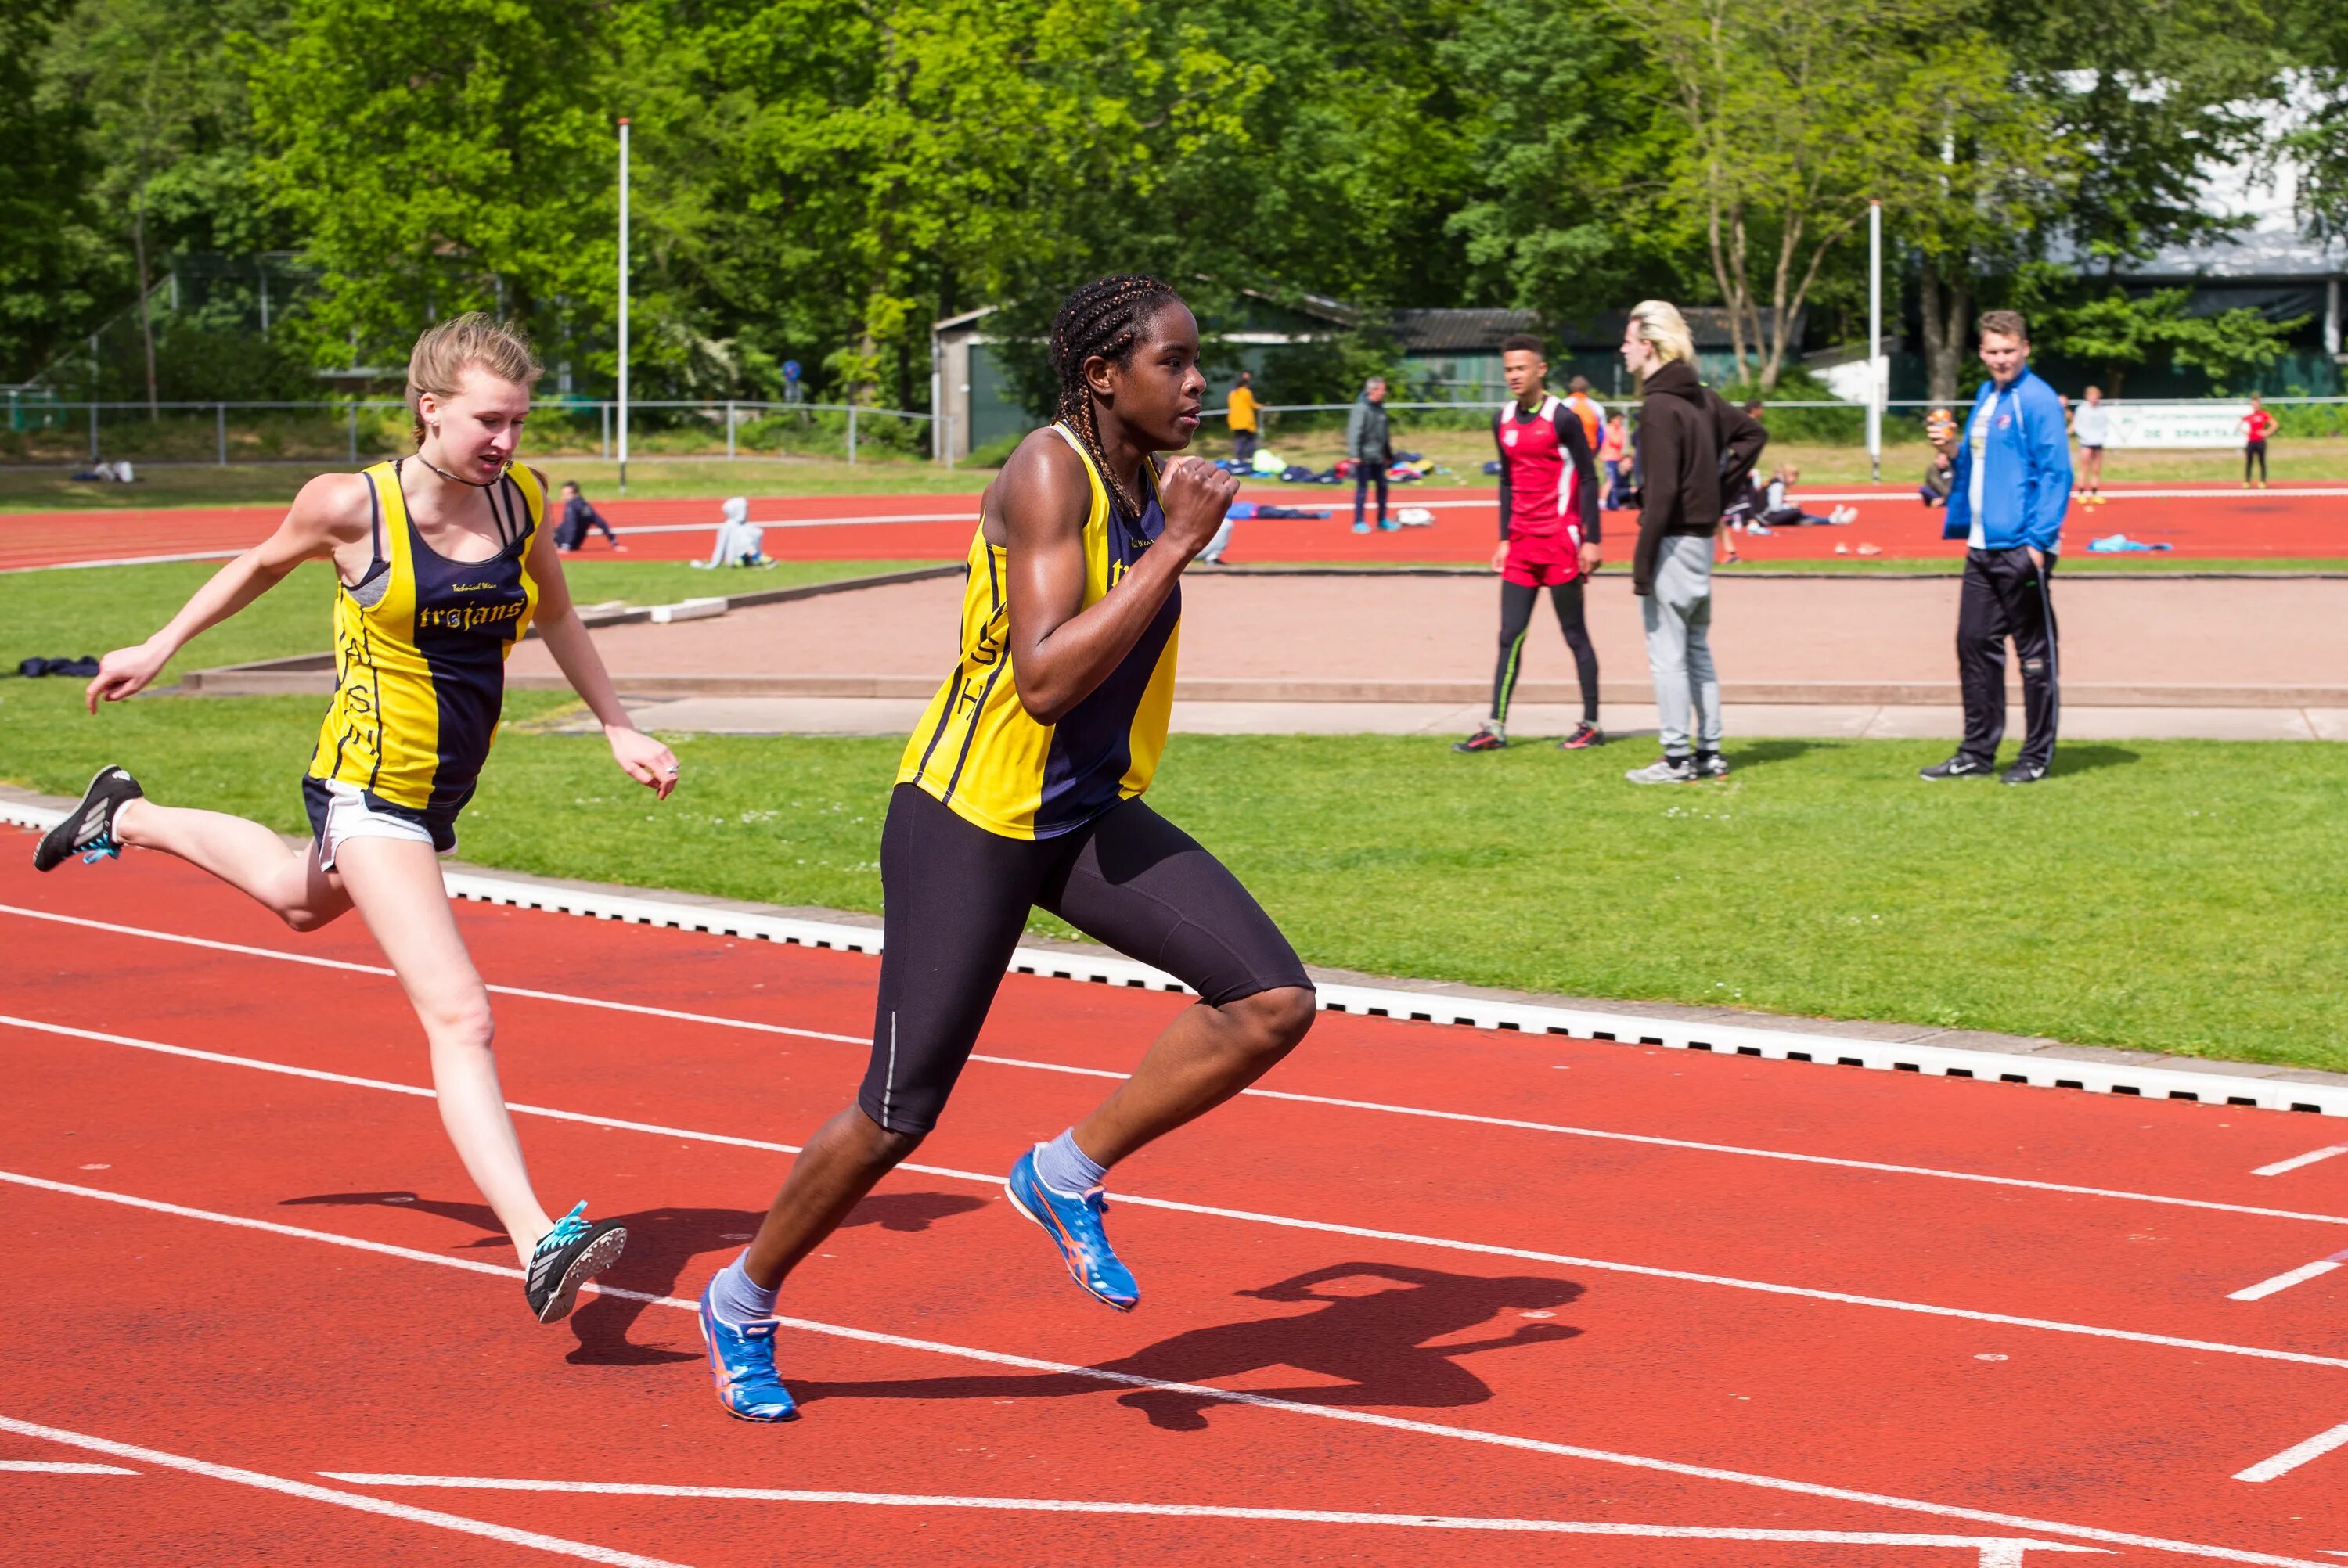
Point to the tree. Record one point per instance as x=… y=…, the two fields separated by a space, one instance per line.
x=153 y=83
x=55 y=263
x=1793 y=114
x=446 y=155
x=2119 y=332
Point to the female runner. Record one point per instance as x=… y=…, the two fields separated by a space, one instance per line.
x=1021 y=789
x=442 y=562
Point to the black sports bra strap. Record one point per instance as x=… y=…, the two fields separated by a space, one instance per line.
x=375 y=516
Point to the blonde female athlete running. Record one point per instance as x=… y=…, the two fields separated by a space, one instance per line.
x=442 y=561
x=1021 y=789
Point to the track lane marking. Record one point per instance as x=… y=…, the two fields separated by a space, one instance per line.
x=2297 y=1162
x=1471 y=1118
x=312 y=1492
x=53 y=1466
x=2282 y=1282
x=2298 y=1454
x=1206 y=1391
x=1252 y=1216
x=1204 y=1511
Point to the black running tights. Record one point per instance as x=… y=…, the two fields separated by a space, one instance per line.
x=1517 y=600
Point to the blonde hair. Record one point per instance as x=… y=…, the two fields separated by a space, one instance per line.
x=447 y=349
x=1663 y=326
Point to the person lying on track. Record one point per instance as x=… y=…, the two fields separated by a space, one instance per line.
x=1021 y=789
x=442 y=559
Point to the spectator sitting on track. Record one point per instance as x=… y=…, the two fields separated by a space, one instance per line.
x=740 y=541
x=1614 y=456
x=1782 y=511
x=1369 y=442
x=578 y=517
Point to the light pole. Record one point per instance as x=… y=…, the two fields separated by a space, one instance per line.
x=1877 y=371
x=623 y=307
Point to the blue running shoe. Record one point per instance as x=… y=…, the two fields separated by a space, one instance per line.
x=1075 y=1227
x=742 y=1365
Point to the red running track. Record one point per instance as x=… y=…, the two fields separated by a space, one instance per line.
x=1676 y=1293
x=2311 y=522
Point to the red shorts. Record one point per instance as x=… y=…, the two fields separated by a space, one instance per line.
x=1542 y=560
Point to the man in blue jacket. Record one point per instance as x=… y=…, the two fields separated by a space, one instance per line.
x=2009 y=486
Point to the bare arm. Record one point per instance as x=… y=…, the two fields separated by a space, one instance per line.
x=566 y=637
x=1060 y=648
x=330 y=515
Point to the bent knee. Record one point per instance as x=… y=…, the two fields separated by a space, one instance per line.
x=466 y=1023
x=1273 y=1021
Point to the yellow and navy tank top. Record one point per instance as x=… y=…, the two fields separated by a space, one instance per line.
x=980 y=751
x=420 y=646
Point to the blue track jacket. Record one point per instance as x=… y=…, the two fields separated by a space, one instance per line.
x=2027 y=485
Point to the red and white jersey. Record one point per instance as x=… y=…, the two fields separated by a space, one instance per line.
x=1540 y=473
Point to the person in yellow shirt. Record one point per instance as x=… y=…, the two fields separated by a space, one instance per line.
x=1243 y=419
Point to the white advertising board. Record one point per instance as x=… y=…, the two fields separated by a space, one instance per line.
x=2176 y=424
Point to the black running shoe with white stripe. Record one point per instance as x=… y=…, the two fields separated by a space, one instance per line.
x=574 y=1252
x=88 y=829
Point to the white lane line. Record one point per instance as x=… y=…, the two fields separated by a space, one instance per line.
x=348 y=967
x=1232 y=1396
x=311 y=1492
x=52 y=1467
x=1250 y=1217
x=2299 y=1275
x=1560 y=1129
x=2298 y=1454
x=1201 y=1511
x=2297 y=1162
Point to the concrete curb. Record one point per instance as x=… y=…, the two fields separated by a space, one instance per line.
x=1898 y=1048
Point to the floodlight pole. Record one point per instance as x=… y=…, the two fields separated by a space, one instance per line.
x=1876 y=369
x=623 y=307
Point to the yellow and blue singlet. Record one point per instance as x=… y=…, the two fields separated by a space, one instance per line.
x=420 y=646
x=980 y=753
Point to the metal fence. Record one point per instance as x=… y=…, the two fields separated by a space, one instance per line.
x=35 y=430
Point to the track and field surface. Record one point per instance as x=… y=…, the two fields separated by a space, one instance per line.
x=2301 y=523
x=1676 y=1311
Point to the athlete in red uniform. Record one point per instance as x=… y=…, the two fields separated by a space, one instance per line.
x=1549 y=535
x=2256 y=426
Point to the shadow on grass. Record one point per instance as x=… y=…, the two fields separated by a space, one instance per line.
x=1761 y=753
x=2087 y=759
x=1380 y=1344
x=661 y=1243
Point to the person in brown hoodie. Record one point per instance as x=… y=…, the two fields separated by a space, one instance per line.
x=1694 y=447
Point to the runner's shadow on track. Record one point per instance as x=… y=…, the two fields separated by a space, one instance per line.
x=662 y=1243
x=1383 y=1346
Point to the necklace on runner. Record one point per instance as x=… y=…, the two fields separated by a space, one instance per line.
x=453 y=478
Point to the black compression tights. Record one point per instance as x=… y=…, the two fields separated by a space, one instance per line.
x=1517 y=600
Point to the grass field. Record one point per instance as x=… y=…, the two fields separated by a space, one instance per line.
x=61 y=614
x=1463 y=452
x=2166 y=895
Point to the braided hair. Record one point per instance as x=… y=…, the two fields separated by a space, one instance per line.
x=1106 y=318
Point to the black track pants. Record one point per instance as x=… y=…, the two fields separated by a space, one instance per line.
x=1516 y=602
x=2007 y=596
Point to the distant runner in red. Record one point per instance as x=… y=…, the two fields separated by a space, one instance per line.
x=1549 y=535
x=2257 y=425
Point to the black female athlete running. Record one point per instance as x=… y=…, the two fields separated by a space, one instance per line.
x=1021 y=789
x=442 y=560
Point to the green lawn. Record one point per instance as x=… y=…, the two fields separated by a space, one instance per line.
x=2170 y=896
x=54 y=614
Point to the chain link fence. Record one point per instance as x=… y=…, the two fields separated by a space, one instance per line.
x=57 y=433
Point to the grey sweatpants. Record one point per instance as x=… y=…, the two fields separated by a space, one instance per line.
x=1679 y=649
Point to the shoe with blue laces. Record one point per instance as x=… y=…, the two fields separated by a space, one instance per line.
x=1074 y=1223
x=742 y=1365
x=566 y=1258
x=88 y=829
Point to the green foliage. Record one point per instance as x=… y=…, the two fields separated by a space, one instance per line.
x=2119 y=331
